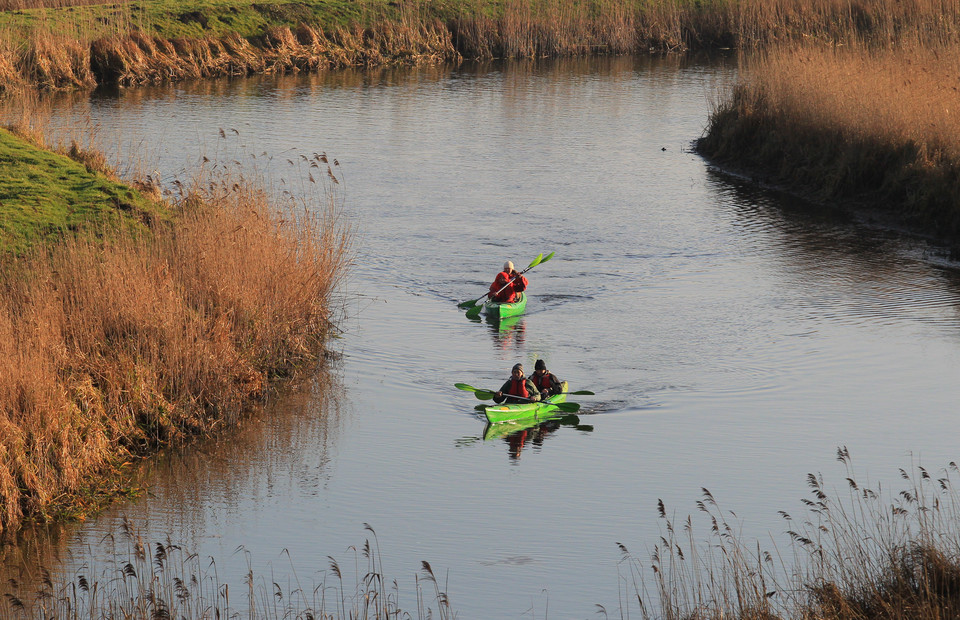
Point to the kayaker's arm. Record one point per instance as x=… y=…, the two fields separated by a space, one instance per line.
x=501 y=395
x=532 y=391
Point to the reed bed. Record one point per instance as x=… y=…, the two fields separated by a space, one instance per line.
x=859 y=552
x=164 y=580
x=113 y=345
x=857 y=123
x=127 y=47
x=137 y=58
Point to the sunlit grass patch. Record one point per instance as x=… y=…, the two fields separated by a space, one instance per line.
x=44 y=194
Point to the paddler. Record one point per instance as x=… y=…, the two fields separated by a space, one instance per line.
x=510 y=281
x=517 y=385
x=545 y=381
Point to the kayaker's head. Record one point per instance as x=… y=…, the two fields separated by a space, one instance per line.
x=517 y=371
x=540 y=367
x=508 y=266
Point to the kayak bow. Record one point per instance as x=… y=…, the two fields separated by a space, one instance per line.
x=496 y=310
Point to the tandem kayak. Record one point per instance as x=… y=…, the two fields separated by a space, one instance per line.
x=495 y=310
x=525 y=411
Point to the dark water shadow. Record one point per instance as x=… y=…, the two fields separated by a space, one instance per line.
x=844 y=265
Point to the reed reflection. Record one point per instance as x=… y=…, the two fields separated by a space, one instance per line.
x=837 y=264
x=289 y=438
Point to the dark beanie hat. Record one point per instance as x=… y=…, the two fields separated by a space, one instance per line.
x=540 y=365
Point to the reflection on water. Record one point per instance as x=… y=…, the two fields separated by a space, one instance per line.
x=530 y=434
x=846 y=269
x=508 y=333
x=288 y=439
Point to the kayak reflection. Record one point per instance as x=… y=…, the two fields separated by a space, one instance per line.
x=508 y=332
x=530 y=432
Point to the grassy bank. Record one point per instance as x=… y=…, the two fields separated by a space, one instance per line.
x=50 y=44
x=44 y=195
x=166 y=322
x=878 y=126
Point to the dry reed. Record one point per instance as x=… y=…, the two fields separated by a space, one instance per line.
x=115 y=345
x=857 y=553
x=853 y=123
x=163 y=580
x=418 y=31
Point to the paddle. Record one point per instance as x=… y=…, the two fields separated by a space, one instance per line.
x=488 y=395
x=474 y=309
x=470 y=388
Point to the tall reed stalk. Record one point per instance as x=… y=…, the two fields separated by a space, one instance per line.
x=858 y=552
x=163 y=580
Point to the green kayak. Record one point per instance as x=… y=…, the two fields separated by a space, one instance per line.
x=502 y=311
x=524 y=411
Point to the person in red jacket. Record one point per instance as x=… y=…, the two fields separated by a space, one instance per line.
x=517 y=385
x=507 y=285
x=545 y=381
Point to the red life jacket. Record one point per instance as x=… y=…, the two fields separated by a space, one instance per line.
x=518 y=387
x=507 y=295
x=543 y=382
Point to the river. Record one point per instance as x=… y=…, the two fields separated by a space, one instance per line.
x=734 y=337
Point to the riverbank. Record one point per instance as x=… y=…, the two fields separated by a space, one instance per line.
x=858 y=125
x=74 y=45
x=128 y=321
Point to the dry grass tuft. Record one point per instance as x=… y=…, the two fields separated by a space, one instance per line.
x=113 y=346
x=858 y=122
x=857 y=553
x=163 y=580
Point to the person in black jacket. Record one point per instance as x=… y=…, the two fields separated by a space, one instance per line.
x=545 y=381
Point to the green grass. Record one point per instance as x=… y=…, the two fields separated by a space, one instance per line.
x=216 y=18
x=250 y=18
x=44 y=194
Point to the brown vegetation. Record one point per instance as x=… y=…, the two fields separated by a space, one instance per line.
x=139 y=58
x=420 y=32
x=115 y=345
x=163 y=580
x=878 y=125
x=856 y=554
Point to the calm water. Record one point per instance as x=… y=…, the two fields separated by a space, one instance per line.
x=734 y=337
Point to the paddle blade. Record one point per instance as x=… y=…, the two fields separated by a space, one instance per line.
x=582 y=393
x=465 y=387
x=474 y=312
x=468 y=304
x=568 y=407
x=546 y=258
x=483 y=395
x=536 y=261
